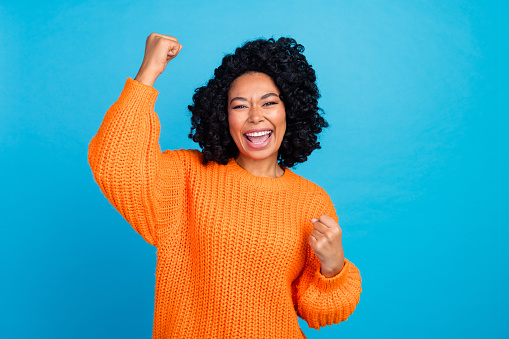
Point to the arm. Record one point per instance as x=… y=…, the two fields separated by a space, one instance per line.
x=127 y=163
x=326 y=299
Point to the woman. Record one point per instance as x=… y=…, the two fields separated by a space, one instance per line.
x=244 y=245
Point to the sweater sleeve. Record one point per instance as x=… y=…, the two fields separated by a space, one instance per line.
x=322 y=301
x=143 y=184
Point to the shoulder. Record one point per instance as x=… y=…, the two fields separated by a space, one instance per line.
x=306 y=186
x=316 y=198
x=191 y=160
x=184 y=155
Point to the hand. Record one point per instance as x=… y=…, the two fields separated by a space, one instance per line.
x=159 y=50
x=325 y=240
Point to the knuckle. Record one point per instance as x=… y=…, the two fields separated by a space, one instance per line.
x=330 y=236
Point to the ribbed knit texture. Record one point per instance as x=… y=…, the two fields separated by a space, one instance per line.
x=233 y=259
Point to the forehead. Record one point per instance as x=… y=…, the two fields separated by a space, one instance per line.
x=252 y=83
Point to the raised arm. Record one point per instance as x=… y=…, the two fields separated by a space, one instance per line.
x=125 y=156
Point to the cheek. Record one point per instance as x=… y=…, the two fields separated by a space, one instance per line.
x=283 y=131
x=235 y=127
x=231 y=124
x=282 y=121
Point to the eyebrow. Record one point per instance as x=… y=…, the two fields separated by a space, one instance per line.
x=265 y=96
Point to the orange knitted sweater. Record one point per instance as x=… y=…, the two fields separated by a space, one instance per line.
x=233 y=259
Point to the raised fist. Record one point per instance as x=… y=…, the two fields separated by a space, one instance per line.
x=159 y=50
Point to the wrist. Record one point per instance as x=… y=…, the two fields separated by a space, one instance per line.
x=330 y=272
x=146 y=77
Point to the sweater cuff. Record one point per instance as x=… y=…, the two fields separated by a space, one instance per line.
x=139 y=94
x=329 y=284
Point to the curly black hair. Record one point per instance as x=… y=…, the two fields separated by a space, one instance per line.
x=284 y=62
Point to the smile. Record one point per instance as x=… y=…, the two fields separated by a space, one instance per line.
x=258 y=138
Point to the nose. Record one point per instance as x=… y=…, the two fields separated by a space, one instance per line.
x=255 y=115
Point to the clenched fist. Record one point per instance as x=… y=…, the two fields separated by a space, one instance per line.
x=325 y=240
x=159 y=50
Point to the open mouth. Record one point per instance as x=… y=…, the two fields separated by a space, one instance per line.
x=258 y=138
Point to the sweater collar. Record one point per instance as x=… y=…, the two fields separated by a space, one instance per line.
x=283 y=182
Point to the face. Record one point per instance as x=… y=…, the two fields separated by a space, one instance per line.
x=256 y=116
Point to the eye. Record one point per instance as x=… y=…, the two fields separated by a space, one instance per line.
x=269 y=103
x=238 y=106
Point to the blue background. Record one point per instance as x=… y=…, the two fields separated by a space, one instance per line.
x=415 y=160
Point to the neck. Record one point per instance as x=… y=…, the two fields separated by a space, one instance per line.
x=261 y=168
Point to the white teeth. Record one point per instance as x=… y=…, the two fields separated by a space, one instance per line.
x=257 y=134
